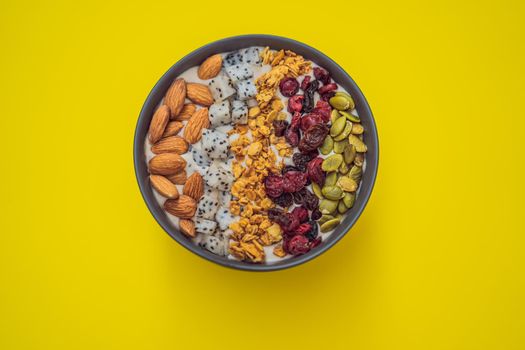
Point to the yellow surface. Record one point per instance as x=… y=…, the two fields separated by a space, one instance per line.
x=435 y=262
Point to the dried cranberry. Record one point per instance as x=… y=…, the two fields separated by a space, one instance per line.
x=273 y=185
x=298 y=196
x=315 y=135
x=293 y=181
x=284 y=200
x=309 y=120
x=301 y=213
x=327 y=88
x=316 y=242
x=322 y=75
x=289 y=87
x=279 y=217
x=315 y=173
x=327 y=96
x=298 y=245
x=295 y=103
x=310 y=201
x=303 y=229
x=305 y=82
x=296 y=121
x=292 y=137
x=316 y=214
x=314 y=231
x=279 y=127
x=324 y=109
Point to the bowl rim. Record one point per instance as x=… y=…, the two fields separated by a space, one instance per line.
x=138 y=148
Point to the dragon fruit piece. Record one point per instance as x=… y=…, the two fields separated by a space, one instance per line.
x=219 y=114
x=232 y=59
x=212 y=192
x=205 y=226
x=219 y=177
x=215 y=244
x=224 y=218
x=239 y=72
x=225 y=198
x=246 y=89
x=221 y=87
x=192 y=166
x=199 y=156
x=215 y=144
x=252 y=55
x=207 y=207
x=239 y=112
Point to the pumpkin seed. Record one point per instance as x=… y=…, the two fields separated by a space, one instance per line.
x=349 y=154
x=337 y=127
x=349 y=199
x=341 y=103
x=358 y=143
x=332 y=163
x=341 y=207
x=330 y=179
x=339 y=146
x=334 y=115
x=317 y=190
x=330 y=225
x=355 y=173
x=343 y=169
x=327 y=206
x=327 y=146
x=357 y=129
x=325 y=218
x=334 y=193
x=350 y=116
x=347 y=184
x=359 y=159
x=346 y=131
x=348 y=97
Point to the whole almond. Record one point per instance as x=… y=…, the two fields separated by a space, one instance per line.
x=175 y=97
x=210 y=67
x=194 y=187
x=158 y=123
x=186 y=112
x=198 y=121
x=178 y=178
x=172 y=128
x=199 y=94
x=175 y=144
x=164 y=186
x=187 y=227
x=183 y=207
x=166 y=164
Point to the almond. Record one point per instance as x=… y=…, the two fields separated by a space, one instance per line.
x=186 y=112
x=194 y=187
x=178 y=178
x=166 y=164
x=210 y=67
x=172 y=128
x=198 y=121
x=187 y=227
x=183 y=207
x=175 y=97
x=164 y=186
x=170 y=144
x=158 y=123
x=199 y=94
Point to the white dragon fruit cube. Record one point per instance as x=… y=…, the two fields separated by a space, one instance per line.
x=232 y=59
x=224 y=218
x=219 y=177
x=239 y=112
x=239 y=72
x=219 y=114
x=215 y=144
x=252 y=55
x=205 y=226
x=207 y=207
x=246 y=89
x=215 y=244
x=221 y=87
x=199 y=156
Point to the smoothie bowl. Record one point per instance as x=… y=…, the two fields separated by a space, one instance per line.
x=256 y=152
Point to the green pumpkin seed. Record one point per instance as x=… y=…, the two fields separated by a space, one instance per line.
x=347 y=184
x=355 y=173
x=339 y=146
x=341 y=207
x=317 y=190
x=331 y=179
x=349 y=200
x=348 y=97
x=346 y=131
x=327 y=146
x=330 y=225
x=334 y=193
x=327 y=206
x=350 y=116
x=359 y=159
x=332 y=163
x=334 y=115
x=343 y=169
x=325 y=218
x=357 y=129
x=358 y=143
x=337 y=127
x=341 y=103
x=349 y=154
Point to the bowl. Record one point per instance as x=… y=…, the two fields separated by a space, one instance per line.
x=275 y=42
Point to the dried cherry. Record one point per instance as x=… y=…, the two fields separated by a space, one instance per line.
x=289 y=86
x=301 y=213
x=324 y=109
x=293 y=181
x=327 y=96
x=313 y=138
x=316 y=214
x=322 y=75
x=279 y=127
x=284 y=200
x=310 y=119
x=327 y=88
x=305 y=82
x=298 y=245
x=273 y=185
x=315 y=173
x=313 y=232
x=301 y=160
x=292 y=137
x=308 y=102
x=295 y=103
x=310 y=201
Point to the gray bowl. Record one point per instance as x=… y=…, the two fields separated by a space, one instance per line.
x=275 y=42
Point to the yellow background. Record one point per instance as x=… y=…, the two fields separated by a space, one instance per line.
x=435 y=262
